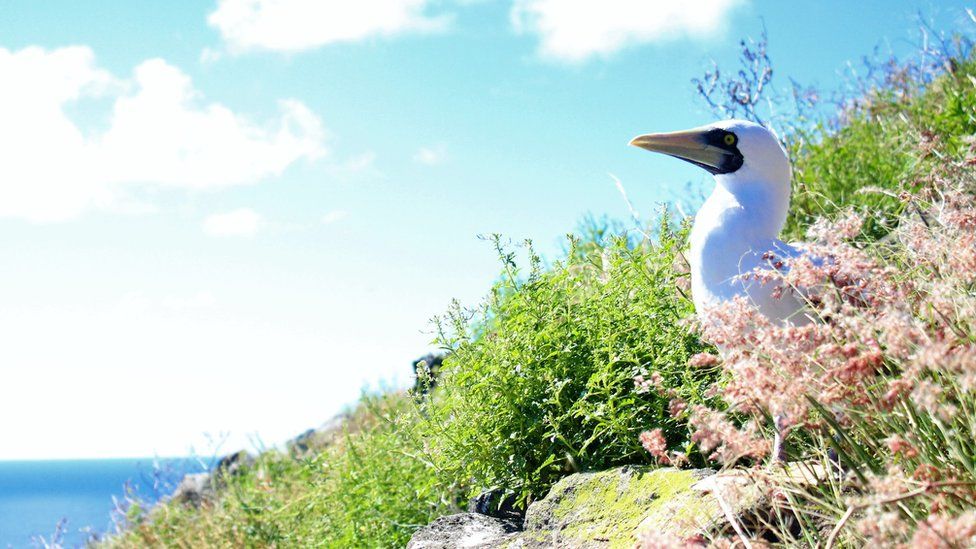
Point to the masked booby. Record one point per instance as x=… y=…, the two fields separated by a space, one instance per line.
x=739 y=224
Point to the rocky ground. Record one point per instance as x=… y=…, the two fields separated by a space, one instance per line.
x=607 y=509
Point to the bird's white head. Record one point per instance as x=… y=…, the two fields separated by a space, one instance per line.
x=745 y=158
x=734 y=151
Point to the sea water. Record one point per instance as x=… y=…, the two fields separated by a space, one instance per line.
x=35 y=496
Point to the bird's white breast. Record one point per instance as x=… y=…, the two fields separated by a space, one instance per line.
x=728 y=240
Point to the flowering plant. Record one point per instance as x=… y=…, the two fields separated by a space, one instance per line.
x=880 y=389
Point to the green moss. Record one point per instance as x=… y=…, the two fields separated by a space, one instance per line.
x=606 y=507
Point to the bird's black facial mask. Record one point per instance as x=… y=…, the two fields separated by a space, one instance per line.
x=712 y=149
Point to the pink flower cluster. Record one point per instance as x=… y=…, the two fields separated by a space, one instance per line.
x=715 y=434
x=655 y=444
x=645 y=384
x=940 y=532
x=871 y=316
x=891 y=358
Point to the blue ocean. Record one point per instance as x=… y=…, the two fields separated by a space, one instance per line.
x=38 y=496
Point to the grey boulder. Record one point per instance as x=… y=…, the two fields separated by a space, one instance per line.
x=463 y=530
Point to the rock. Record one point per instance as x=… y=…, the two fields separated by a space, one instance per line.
x=318 y=438
x=301 y=444
x=699 y=510
x=494 y=503
x=464 y=530
x=611 y=508
x=233 y=464
x=604 y=509
x=736 y=493
x=425 y=377
x=195 y=488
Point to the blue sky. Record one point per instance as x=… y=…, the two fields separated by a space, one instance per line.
x=223 y=219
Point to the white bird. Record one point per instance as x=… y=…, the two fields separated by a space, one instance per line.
x=739 y=223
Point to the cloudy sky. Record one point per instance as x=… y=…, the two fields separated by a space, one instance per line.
x=222 y=219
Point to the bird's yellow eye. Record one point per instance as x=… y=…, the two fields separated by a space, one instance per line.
x=729 y=139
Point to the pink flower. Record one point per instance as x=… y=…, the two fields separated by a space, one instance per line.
x=939 y=531
x=703 y=360
x=653 y=441
x=644 y=385
x=712 y=431
x=899 y=445
x=890 y=355
x=676 y=407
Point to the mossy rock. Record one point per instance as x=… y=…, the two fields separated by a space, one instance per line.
x=609 y=508
x=604 y=509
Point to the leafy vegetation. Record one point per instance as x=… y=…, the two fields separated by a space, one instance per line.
x=878 y=398
x=564 y=365
x=541 y=383
x=367 y=489
x=889 y=142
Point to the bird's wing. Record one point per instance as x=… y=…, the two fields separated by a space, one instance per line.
x=776 y=302
x=794 y=250
x=803 y=248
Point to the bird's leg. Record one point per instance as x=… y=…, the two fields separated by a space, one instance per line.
x=779 y=449
x=832 y=454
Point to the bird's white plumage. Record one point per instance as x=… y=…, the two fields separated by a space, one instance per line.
x=740 y=222
x=736 y=231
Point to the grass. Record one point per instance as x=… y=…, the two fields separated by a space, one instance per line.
x=540 y=381
x=882 y=392
x=889 y=141
x=366 y=490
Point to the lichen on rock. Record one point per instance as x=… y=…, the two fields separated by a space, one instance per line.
x=610 y=509
x=604 y=509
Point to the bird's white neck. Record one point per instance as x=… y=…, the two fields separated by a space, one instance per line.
x=753 y=209
x=742 y=216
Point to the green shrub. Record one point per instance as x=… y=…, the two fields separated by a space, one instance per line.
x=888 y=144
x=540 y=383
x=851 y=168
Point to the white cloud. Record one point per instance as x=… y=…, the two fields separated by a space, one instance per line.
x=431 y=156
x=295 y=25
x=576 y=30
x=159 y=131
x=334 y=216
x=239 y=222
x=356 y=167
x=359 y=163
x=210 y=55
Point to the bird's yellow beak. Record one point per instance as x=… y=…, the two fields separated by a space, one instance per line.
x=700 y=146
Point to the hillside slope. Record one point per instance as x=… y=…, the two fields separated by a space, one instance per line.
x=564 y=366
